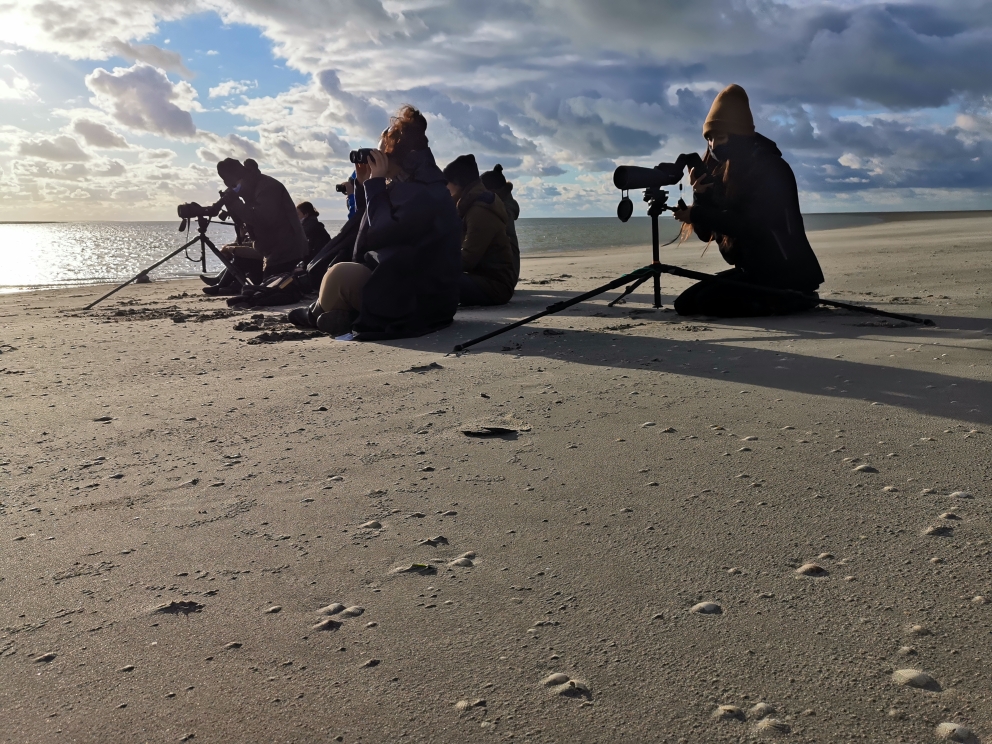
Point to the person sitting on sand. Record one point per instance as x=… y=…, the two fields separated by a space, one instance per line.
x=265 y=206
x=496 y=182
x=745 y=198
x=317 y=236
x=402 y=280
x=489 y=271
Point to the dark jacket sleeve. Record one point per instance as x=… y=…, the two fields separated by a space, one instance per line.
x=395 y=217
x=264 y=213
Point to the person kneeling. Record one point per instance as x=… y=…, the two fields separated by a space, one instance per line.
x=747 y=200
x=489 y=272
x=402 y=280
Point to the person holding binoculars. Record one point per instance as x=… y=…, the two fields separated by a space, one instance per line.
x=402 y=280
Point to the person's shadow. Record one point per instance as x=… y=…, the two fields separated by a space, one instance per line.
x=616 y=344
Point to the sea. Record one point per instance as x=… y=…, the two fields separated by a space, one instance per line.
x=42 y=255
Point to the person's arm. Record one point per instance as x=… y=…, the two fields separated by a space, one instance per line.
x=402 y=223
x=479 y=234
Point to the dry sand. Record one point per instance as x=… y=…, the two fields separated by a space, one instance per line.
x=817 y=488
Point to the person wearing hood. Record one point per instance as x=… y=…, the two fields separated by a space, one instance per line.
x=496 y=182
x=265 y=206
x=745 y=199
x=315 y=231
x=489 y=272
x=402 y=280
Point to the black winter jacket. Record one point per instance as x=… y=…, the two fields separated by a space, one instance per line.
x=410 y=236
x=270 y=214
x=761 y=221
x=316 y=233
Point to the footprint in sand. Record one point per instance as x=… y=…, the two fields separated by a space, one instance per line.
x=273 y=609
x=956 y=732
x=772 y=726
x=331 y=609
x=373 y=525
x=328 y=623
x=562 y=684
x=707 y=608
x=915 y=678
x=463 y=705
x=760 y=710
x=728 y=713
x=418 y=568
x=813 y=570
x=939 y=530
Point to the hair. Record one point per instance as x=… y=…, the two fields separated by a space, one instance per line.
x=726 y=184
x=307 y=209
x=407 y=132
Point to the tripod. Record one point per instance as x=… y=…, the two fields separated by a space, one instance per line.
x=657 y=203
x=202 y=223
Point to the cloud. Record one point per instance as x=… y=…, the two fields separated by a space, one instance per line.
x=142 y=98
x=232 y=88
x=149 y=54
x=14 y=86
x=99 y=135
x=863 y=96
x=61 y=149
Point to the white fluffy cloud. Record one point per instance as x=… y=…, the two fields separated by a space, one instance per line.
x=142 y=98
x=232 y=88
x=61 y=149
x=14 y=86
x=98 y=135
x=553 y=87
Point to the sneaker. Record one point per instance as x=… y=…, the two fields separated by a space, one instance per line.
x=211 y=280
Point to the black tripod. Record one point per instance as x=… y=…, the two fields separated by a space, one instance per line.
x=202 y=224
x=657 y=199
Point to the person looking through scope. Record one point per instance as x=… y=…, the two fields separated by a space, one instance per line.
x=264 y=205
x=745 y=198
x=402 y=279
x=489 y=272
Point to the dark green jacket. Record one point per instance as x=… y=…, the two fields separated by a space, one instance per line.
x=487 y=255
x=505 y=195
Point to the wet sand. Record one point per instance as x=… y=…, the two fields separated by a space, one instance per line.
x=689 y=530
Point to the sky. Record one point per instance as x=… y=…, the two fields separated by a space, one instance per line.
x=120 y=109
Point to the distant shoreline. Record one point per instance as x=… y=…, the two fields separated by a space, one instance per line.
x=896 y=216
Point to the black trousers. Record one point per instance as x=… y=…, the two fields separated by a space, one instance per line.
x=713 y=297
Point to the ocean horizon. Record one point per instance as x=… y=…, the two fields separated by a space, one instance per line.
x=45 y=255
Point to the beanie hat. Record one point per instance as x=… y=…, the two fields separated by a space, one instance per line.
x=729 y=114
x=462 y=171
x=230 y=168
x=494 y=180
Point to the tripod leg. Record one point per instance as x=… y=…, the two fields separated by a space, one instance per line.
x=641 y=274
x=142 y=273
x=619 y=300
x=238 y=274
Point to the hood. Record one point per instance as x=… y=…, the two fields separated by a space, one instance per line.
x=421 y=167
x=478 y=195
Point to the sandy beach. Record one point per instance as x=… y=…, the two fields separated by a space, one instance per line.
x=693 y=530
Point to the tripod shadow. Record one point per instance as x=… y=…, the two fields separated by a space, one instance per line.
x=732 y=357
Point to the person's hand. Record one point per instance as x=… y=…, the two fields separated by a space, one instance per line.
x=700 y=181
x=228 y=250
x=362 y=171
x=683 y=213
x=379 y=163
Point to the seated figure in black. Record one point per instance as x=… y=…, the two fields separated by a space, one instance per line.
x=745 y=198
x=315 y=231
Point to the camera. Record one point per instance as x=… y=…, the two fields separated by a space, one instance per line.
x=360 y=156
x=342 y=188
